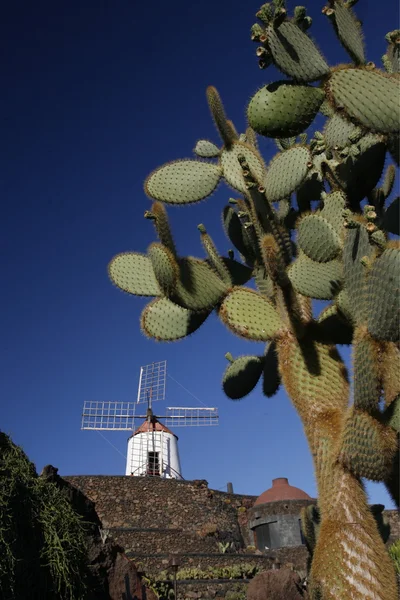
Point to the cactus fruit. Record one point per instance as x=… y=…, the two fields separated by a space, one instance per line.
x=165 y=321
x=368 y=96
x=133 y=273
x=284 y=109
x=248 y=314
x=183 y=181
x=347 y=28
x=295 y=164
x=317 y=223
x=242 y=375
x=318 y=239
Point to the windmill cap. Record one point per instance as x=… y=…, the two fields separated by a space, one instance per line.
x=281 y=490
x=152 y=426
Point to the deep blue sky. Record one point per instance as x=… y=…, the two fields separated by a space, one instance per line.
x=96 y=94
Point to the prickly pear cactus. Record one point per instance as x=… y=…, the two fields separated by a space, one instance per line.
x=317 y=223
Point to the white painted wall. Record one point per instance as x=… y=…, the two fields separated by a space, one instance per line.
x=164 y=443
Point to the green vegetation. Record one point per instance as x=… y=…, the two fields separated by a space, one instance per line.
x=394 y=552
x=317 y=223
x=42 y=540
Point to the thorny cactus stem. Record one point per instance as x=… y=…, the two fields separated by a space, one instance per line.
x=317 y=223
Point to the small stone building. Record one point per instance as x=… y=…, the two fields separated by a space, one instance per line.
x=274 y=519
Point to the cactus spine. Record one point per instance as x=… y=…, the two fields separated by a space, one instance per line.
x=316 y=223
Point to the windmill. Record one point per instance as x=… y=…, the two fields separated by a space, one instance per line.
x=152 y=447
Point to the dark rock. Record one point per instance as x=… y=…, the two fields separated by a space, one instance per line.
x=280 y=584
x=111 y=575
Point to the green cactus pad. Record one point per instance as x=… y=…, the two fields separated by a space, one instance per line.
x=214 y=259
x=348 y=30
x=383 y=296
x=367 y=379
x=183 y=181
x=388 y=181
x=264 y=283
x=337 y=132
x=389 y=364
x=242 y=376
x=199 y=287
x=368 y=96
x=391 y=415
x=318 y=239
x=343 y=304
x=391 y=221
x=165 y=321
x=332 y=210
x=239 y=274
x=224 y=126
x=286 y=172
x=284 y=109
x=294 y=53
x=250 y=315
x=356 y=247
x=165 y=267
x=159 y=214
x=233 y=172
x=392 y=57
x=333 y=328
x=206 y=149
x=237 y=234
x=359 y=174
x=271 y=376
x=367 y=446
x=316 y=280
x=133 y=273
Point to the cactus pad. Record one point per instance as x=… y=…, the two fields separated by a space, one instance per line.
x=367 y=379
x=337 y=132
x=166 y=322
x=367 y=446
x=242 y=376
x=389 y=371
x=237 y=234
x=206 y=149
x=239 y=274
x=271 y=376
x=392 y=217
x=294 y=53
x=225 y=127
x=284 y=109
x=368 y=96
x=159 y=214
x=250 y=315
x=165 y=267
x=286 y=172
x=383 y=296
x=199 y=287
x=332 y=210
x=333 y=328
x=231 y=169
x=310 y=520
x=356 y=247
x=263 y=282
x=183 y=181
x=316 y=280
x=318 y=239
x=348 y=30
x=133 y=273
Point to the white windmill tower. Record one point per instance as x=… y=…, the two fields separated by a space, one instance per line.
x=152 y=447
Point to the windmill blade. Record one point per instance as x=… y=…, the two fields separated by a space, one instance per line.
x=177 y=416
x=152 y=383
x=108 y=416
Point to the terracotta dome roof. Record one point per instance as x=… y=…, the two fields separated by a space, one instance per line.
x=154 y=425
x=281 y=490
